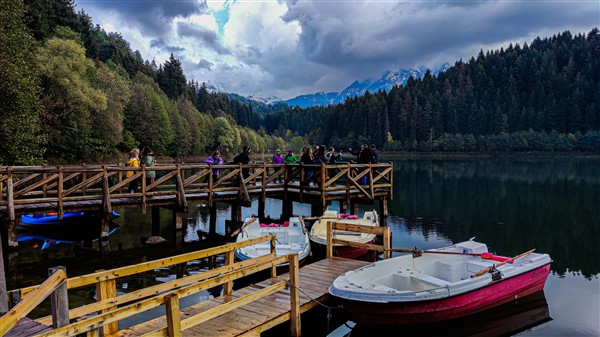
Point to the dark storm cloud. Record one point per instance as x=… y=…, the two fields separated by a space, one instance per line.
x=151 y=17
x=162 y=45
x=380 y=35
x=207 y=38
x=204 y=64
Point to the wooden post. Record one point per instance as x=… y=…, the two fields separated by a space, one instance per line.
x=354 y=207
x=181 y=198
x=287 y=209
x=229 y=260
x=317 y=209
x=178 y=220
x=383 y=207
x=387 y=243
x=11 y=225
x=59 y=192
x=105 y=290
x=212 y=227
x=274 y=253
x=236 y=212
x=295 y=329
x=261 y=209
x=343 y=206
x=143 y=189
x=59 y=301
x=3 y=287
x=329 y=248
x=173 y=319
x=155 y=220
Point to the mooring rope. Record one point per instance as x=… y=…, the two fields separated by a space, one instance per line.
x=329 y=308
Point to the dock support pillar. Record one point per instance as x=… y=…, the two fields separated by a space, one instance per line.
x=3 y=287
x=383 y=211
x=354 y=208
x=212 y=225
x=287 y=209
x=261 y=209
x=155 y=220
x=343 y=207
x=11 y=227
x=178 y=222
x=104 y=243
x=316 y=209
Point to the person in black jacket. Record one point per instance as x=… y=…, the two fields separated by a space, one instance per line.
x=243 y=158
x=364 y=156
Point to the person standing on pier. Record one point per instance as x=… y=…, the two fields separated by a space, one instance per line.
x=243 y=158
x=134 y=161
x=277 y=159
x=148 y=161
x=215 y=159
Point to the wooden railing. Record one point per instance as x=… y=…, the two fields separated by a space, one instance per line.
x=111 y=308
x=53 y=285
x=67 y=187
x=385 y=232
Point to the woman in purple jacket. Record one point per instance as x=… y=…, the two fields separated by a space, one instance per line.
x=277 y=159
x=215 y=159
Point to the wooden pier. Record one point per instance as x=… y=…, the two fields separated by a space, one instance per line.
x=244 y=312
x=60 y=189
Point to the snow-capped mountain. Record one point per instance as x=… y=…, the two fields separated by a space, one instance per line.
x=266 y=100
x=359 y=88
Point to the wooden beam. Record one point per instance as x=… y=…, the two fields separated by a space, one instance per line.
x=59 y=301
x=229 y=260
x=295 y=326
x=12 y=317
x=106 y=291
x=173 y=315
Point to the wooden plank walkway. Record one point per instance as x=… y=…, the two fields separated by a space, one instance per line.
x=265 y=313
x=27 y=327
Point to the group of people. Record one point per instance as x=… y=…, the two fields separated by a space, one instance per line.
x=366 y=155
x=135 y=160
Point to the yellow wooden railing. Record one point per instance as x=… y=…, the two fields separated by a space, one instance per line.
x=385 y=232
x=35 y=297
x=110 y=308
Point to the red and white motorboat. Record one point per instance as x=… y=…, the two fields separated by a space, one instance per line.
x=440 y=284
x=318 y=233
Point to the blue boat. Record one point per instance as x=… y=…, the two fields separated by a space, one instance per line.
x=69 y=218
x=43 y=237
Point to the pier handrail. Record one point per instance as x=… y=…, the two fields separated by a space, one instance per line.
x=106 y=275
x=14 y=315
x=57 y=186
x=191 y=285
x=382 y=231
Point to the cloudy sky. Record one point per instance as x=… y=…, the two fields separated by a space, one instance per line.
x=287 y=48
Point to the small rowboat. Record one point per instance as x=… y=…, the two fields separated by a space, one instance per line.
x=292 y=238
x=318 y=233
x=438 y=285
x=69 y=218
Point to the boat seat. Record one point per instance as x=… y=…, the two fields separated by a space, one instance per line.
x=429 y=279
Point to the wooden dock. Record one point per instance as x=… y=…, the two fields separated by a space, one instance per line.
x=244 y=312
x=258 y=316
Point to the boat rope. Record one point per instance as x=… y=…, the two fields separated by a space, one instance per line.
x=329 y=308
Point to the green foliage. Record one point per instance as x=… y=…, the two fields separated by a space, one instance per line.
x=69 y=98
x=20 y=138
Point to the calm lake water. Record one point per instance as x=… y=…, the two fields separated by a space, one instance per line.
x=513 y=205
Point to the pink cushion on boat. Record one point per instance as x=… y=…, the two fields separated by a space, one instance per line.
x=490 y=256
x=352 y=217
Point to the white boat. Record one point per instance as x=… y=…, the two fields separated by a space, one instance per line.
x=292 y=238
x=438 y=285
x=318 y=232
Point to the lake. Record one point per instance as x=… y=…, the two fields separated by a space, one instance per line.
x=511 y=204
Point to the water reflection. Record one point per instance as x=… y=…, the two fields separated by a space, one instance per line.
x=511 y=204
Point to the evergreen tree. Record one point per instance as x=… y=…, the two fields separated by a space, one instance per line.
x=19 y=88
